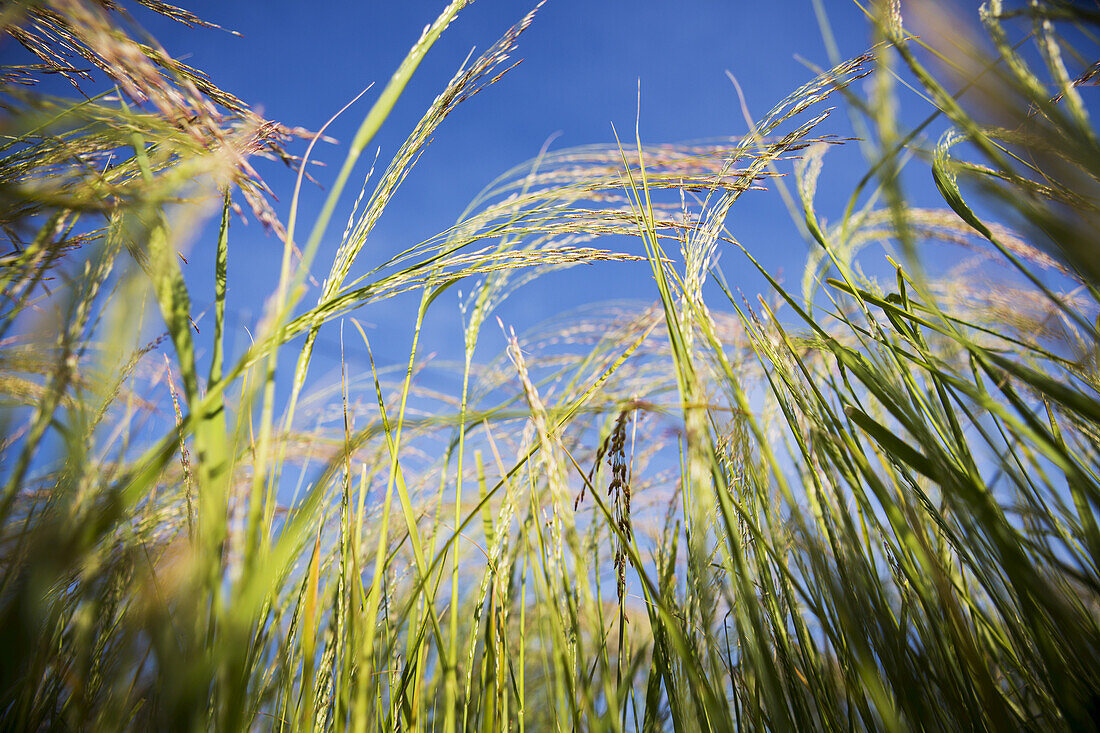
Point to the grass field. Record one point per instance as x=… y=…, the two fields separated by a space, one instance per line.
x=853 y=502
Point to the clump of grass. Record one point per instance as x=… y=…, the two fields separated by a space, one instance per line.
x=866 y=504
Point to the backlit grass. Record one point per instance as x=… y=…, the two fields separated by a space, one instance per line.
x=855 y=502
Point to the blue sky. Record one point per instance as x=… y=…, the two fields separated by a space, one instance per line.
x=299 y=62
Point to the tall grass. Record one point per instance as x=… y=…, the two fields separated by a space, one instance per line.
x=859 y=504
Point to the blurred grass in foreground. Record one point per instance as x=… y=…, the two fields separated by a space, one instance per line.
x=863 y=505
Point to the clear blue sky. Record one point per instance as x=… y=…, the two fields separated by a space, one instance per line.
x=299 y=62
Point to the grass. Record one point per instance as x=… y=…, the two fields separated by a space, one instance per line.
x=864 y=503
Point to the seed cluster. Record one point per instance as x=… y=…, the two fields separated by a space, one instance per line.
x=619 y=491
x=613 y=448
